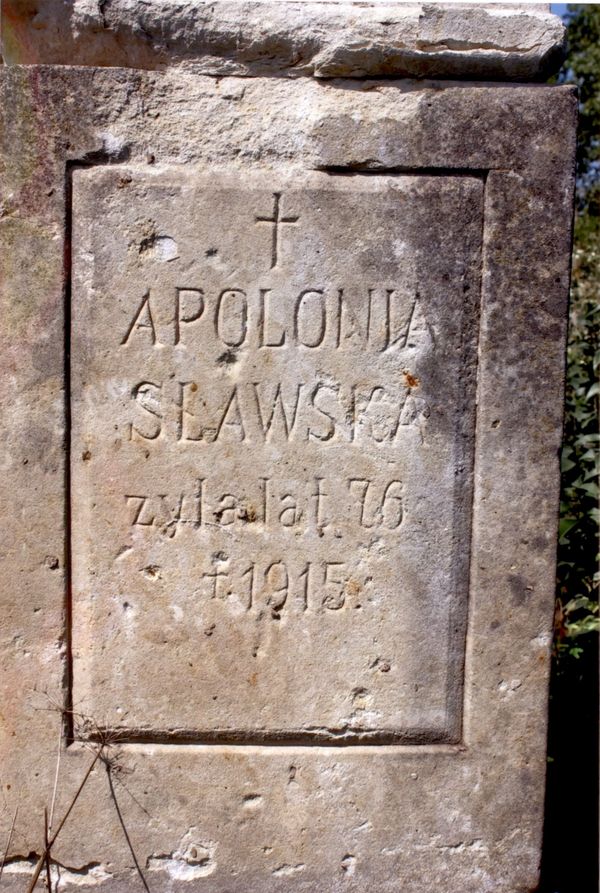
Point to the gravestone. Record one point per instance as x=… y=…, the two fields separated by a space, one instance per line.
x=284 y=303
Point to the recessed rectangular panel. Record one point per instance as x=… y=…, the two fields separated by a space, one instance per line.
x=273 y=410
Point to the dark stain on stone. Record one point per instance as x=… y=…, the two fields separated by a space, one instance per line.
x=521 y=593
x=411 y=380
x=148 y=243
x=228 y=357
x=247 y=513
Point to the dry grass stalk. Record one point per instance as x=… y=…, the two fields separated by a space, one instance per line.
x=8 y=841
x=46 y=855
x=47 y=849
x=54 y=790
x=125 y=832
x=98 y=742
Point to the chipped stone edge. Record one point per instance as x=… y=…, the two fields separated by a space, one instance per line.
x=319 y=38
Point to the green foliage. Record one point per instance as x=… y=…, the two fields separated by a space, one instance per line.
x=578 y=580
x=582 y=67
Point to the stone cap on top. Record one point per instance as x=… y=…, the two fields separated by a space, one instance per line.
x=318 y=38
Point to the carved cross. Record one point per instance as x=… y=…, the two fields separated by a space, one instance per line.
x=275 y=221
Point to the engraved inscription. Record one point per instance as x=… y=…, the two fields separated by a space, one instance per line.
x=268 y=502
x=271 y=412
x=278 y=451
x=377 y=318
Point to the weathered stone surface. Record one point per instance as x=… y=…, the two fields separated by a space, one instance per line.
x=258 y=37
x=280 y=376
x=249 y=801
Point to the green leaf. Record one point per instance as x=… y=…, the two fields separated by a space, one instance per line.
x=589 y=624
x=581 y=601
x=565 y=525
x=567 y=464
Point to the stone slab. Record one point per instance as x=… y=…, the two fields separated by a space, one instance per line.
x=347 y=814
x=507 y=41
x=280 y=376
